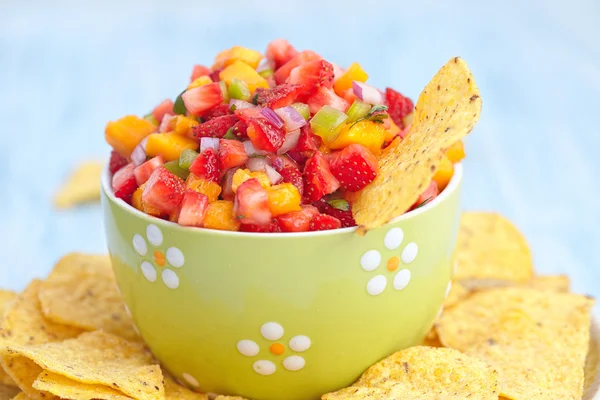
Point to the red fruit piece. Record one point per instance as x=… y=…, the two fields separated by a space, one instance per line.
x=231 y=154
x=124 y=184
x=324 y=222
x=280 y=51
x=227 y=184
x=252 y=203
x=198 y=71
x=299 y=157
x=280 y=162
x=345 y=216
x=192 y=209
x=279 y=96
x=308 y=141
x=271 y=227
x=206 y=165
x=166 y=107
x=293 y=176
x=164 y=191
x=283 y=72
x=117 y=161
x=326 y=97
x=142 y=173
x=318 y=179
x=240 y=130
x=312 y=76
x=216 y=111
x=354 y=167
x=398 y=106
x=215 y=75
x=216 y=127
x=297 y=221
x=427 y=196
x=264 y=135
x=247 y=114
x=202 y=98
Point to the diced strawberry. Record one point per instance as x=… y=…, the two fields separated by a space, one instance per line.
x=252 y=203
x=318 y=179
x=271 y=227
x=308 y=141
x=297 y=221
x=117 y=161
x=240 y=130
x=279 y=96
x=227 y=184
x=231 y=154
x=217 y=111
x=398 y=106
x=427 y=196
x=198 y=71
x=124 y=184
x=345 y=216
x=324 y=222
x=164 y=191
x=283 y=72
x=166 y=107
x=202 y=98
x=280 y=162
x=293 y=176
x=247 y=114
x=326 y=97
x=206 y=165
x=354 y=167
x=214 y=75
x=264 y=135
x=192 y=209
x=167 y=124
x=312 y=76
x=280 y=51
x=348 y=95
x=216 y=127
x=142 y=173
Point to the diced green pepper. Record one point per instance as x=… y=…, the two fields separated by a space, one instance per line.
x=358 y=109
x=340 y=204
x=266 y=73
x=229 y=135
x=302 y=109
x=239 y=90
x=224 y=91
x=327 y=123
x=150 y=118
x=174 y=167
x=186 y=158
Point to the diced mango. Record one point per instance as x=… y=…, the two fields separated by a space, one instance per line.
x=242 y=175
x=353 y=73
x=126 y=133
x=183 y=125
x=444 y=173
x=456 y=152
x=284 y=198
x=243 y=72
x=211 y=189
x=136 y=201
x=219 y=215
x=169 y=145
x=200 y=81
x=237 y=53
x=392 y=132
x=368 y=133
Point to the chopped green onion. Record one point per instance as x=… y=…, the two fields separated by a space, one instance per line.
x=358 y=109
x=239 y=90
x=266 y=73
x=327 y=123
x=340 y=204
x=302 y=109
x=224 y=91
x=186 y=158
x=174 y=167
x=150 y=118
x=229 y=135
x=179 y=106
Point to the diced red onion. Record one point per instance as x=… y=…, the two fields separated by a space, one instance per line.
x=257 y=164
x=251 y=150
x=265 y=65
x=337 y=71
x=367 y=93
x=165 y=124
x=292 y=119
x=139 y=155
x=240 y=104
x=209 y=143
x=272 y=117
x=273 y=175
x=291 y=140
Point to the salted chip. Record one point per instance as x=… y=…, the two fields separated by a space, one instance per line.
x=457 y=293
x=24 y=324
x=489 y=250
x=66 y=388
x=553 y=283
x=6 y=299
x=8 y=392
x=446 y=111
x=469 y=321
x=83 y=186
x=82 y=292
x=100 y=358
x=538 y=361
x=174 y=391
x=591 y=369
x=21 y=396
x=432 y=339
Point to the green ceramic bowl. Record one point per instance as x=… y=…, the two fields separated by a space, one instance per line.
x=281 y=316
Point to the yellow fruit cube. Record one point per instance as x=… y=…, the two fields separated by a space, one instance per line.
x=243 y=72
x=211 y=189
x=392 y=132
x=456 y=152
x=444 y=173
x=368 y=133
x=183 y=125
x=284 y=198
x=353 y=73
x=219 y=215
x=242 y=175
x=237 y=53
x=126 y=133
x=200 y=81
x=136 y=201
x=169 y=145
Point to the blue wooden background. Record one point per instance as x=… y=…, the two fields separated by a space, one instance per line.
x=66 y=68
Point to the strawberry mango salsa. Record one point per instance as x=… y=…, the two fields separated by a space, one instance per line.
x=273 y=143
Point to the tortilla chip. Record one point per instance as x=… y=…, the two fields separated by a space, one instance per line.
x=553 y=283
x=66 y=388
x=490 y=249
x=469 y=321
x=100 y=358
x=82 y=292
x=24 y=324
x=83 y=186
x=230 y=398
x=446 y=111
x=432 y=339
x=6 y=299
x=538 y=360
x=592 y=367
x=174 y=391
x=457 y=293
x=21 y=396
x=8 y=392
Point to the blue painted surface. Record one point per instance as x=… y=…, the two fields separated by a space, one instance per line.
x=68 y=67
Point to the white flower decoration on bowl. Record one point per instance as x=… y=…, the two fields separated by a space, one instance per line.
x=157 y=261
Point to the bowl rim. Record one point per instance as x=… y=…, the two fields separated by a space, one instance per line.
x=452 y=186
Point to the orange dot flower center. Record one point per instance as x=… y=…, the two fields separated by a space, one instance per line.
x=277 y=349
x=393 y=263
x=159 y=258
